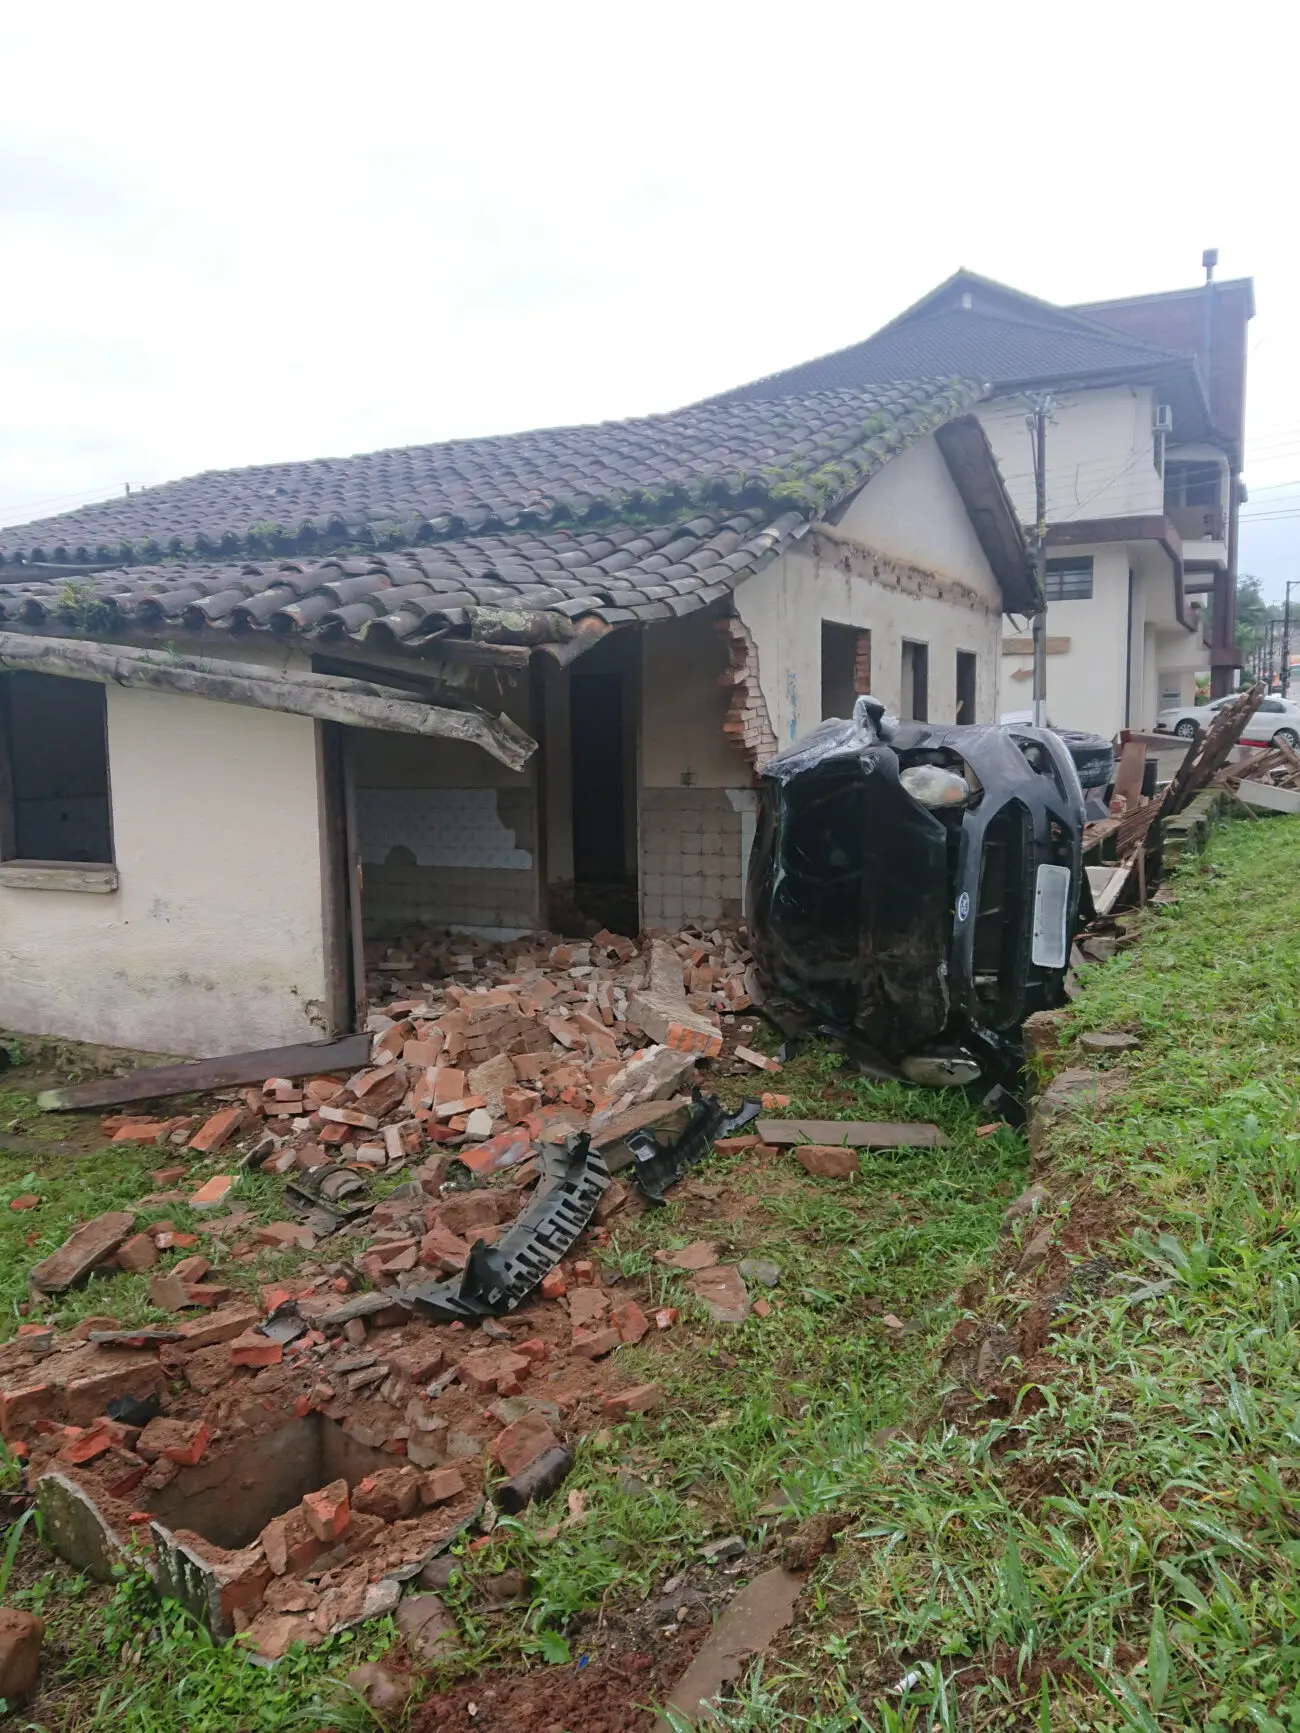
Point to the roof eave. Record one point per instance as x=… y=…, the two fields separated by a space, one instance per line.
x=966 y=451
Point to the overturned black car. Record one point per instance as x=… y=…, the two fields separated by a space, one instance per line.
x=916 y=888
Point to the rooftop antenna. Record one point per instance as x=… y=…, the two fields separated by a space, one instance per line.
x=1209 y=258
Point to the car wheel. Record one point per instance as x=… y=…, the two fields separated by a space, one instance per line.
x=1187 y=729
x=1286 y=737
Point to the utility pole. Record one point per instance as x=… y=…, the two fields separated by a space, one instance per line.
x=1038 y=426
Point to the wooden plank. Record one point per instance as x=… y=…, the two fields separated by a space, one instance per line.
x=851 y=1133
x=1269 y=797
x=1108 y=885
x=353 y=702
x=1131 y=770
x=198 y=1075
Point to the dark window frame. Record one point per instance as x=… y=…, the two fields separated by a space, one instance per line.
x=1069 y=580
x=14 y=773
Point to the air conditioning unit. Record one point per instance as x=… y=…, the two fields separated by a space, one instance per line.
x=1162 y=421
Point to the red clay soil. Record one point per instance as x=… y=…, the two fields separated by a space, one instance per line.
x=608 y=1695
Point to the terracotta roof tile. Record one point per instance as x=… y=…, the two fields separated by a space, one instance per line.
x=689 y=505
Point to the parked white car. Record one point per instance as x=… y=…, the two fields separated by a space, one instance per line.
x=1276 y=719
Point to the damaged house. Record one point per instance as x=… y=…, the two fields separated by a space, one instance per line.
x=252 y=720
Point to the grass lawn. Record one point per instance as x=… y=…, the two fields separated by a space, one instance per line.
x=1109 y=1540
x=1120 y=1547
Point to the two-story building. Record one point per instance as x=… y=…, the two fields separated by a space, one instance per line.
x=1144 y=454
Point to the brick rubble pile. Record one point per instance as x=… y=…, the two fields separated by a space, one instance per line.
x=482 y=1056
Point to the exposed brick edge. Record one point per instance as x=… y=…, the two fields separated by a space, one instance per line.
x=748 y=726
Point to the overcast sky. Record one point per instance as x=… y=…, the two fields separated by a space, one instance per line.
x=241 y=233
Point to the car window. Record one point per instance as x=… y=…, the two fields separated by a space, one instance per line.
x=1274 y=705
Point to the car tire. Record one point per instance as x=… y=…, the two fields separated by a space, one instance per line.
x=1286 y=737
x=1187 y=729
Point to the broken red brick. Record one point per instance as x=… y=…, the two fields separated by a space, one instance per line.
x=523 y=1442
x=535 y=1349
x=630 y=1321
x=595 y=1344
x=666 y=1317
x=519 y=1103
x=482 y=1367
x=79 y=1254
x=170 y=1292
x=181 y=1441
x=554 y=1286
x=584 y=1272
x=88 y=1446
x=139 y=1131
x=441 y=1250
x=28 y=1200
x=327 y=1512
x=255 y=1349
x=284 y=1234
x=442 y=1484
x=827 y=1161
x=761 y=1308
x=216 y=1132
x=638 y=1400
x=349 y=1116
x=417 y=1361
x=137 y=1254
x=391 y=1493
x=214 y=1192
x=191 y=1269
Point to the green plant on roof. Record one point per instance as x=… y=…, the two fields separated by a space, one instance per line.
x=77 y=604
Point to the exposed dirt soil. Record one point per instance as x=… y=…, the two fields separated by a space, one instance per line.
x=612 y=1693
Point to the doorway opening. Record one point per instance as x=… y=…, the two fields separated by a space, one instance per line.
x=914 y=705
x=602 y=749
x=965 y=687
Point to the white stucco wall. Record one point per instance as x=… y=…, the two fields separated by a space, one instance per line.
x=1085 y=684
x=683 y=708
x=912 y=506
x=214 y=941
x=913 y=512
x=1100 y=455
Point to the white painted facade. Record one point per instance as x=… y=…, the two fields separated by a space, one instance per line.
x=903 y=563
x=1128 y=655
x=213 y=941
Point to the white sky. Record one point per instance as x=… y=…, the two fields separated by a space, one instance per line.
x=241 y=233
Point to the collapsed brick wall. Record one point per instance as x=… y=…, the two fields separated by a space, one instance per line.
x=748 y=725
x=691 y=855
x=449 y=857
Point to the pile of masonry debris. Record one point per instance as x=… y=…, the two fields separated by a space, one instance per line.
x=288 y=1466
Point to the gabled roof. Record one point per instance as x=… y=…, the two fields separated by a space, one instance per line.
x=653 y=466
x=627 y=521
x=980 y=329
